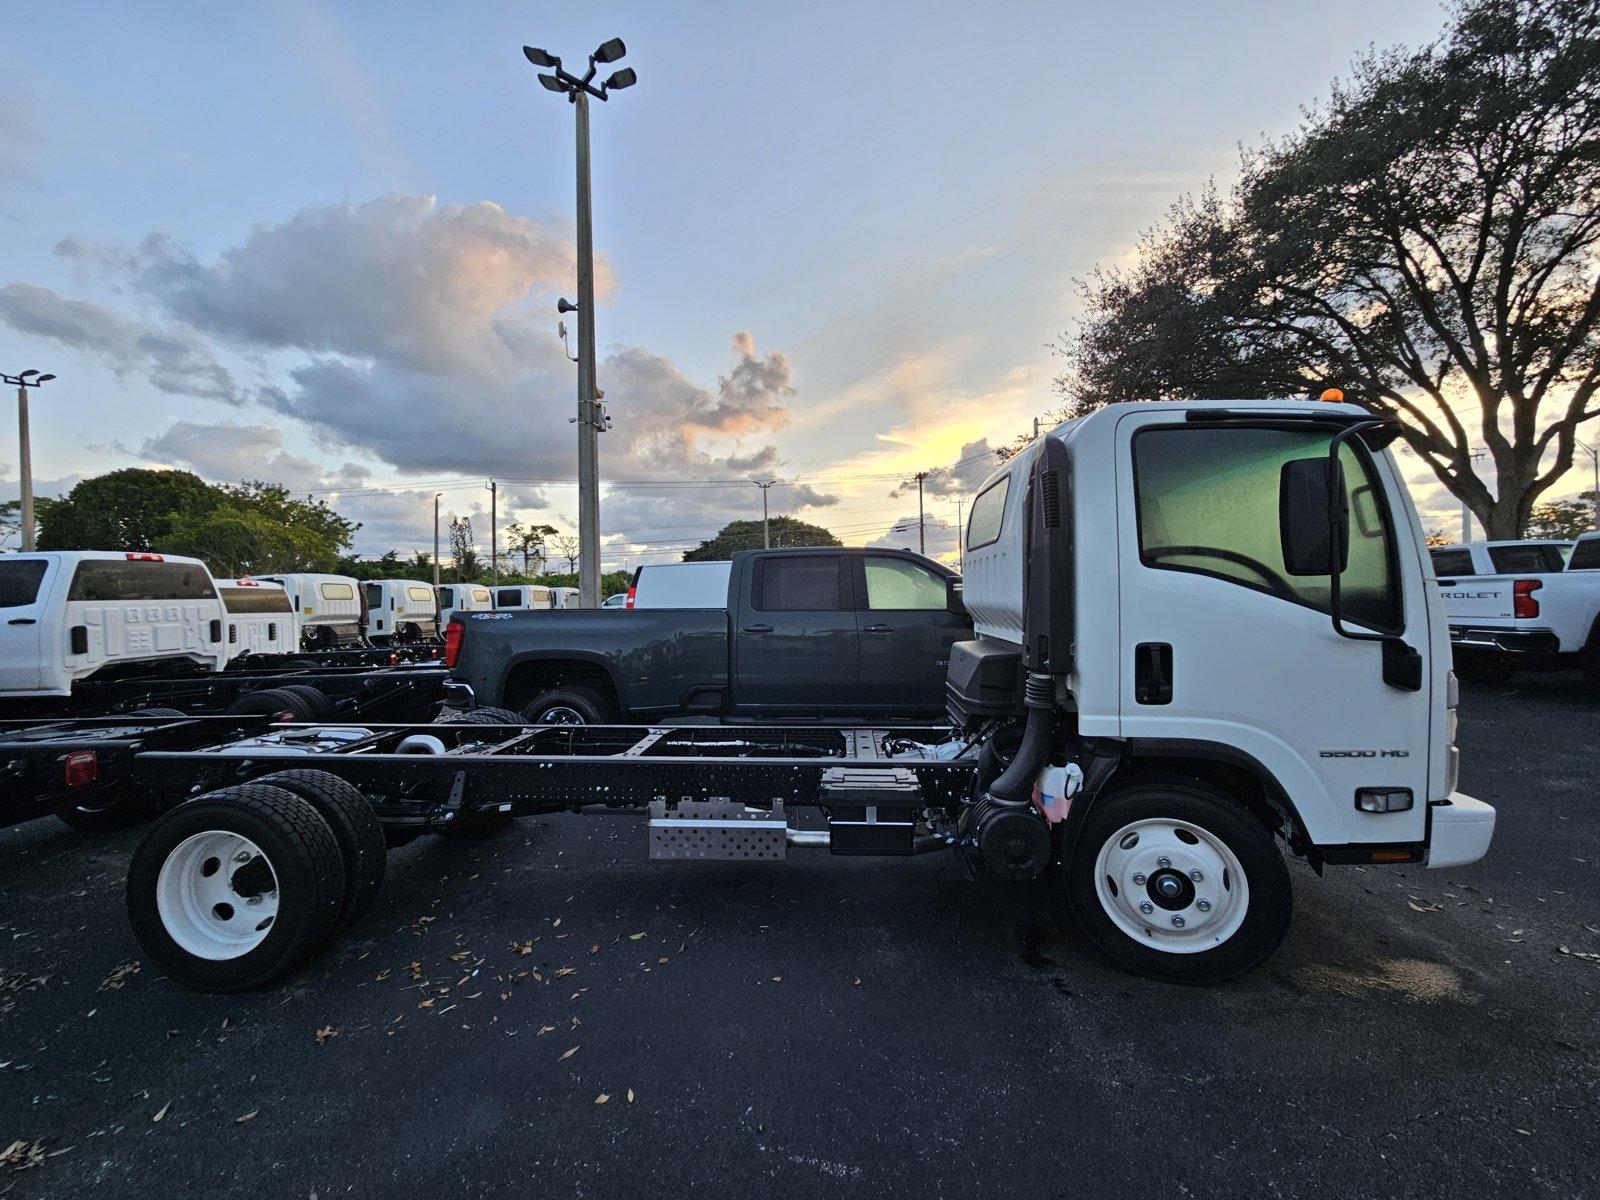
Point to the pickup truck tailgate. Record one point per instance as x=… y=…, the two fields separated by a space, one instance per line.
x=1481 y=598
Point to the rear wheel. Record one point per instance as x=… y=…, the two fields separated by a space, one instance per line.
x=232 y=889
x=570 y=706
x=317 y=704
x=278 y=703
x=482 y=716
x=357 y=828
x=1484 y=668
x=1178 y=882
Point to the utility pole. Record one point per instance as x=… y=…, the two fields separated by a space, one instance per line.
x=922 y=535
x=591 y=418
x=494 y=536
x=961 y=536
x=436 y=496
x=1594 y=455
x=22 y=383
x=1466 y=509
x=766 y=533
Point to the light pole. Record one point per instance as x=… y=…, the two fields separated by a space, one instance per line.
x=22 y=383
x=591 y=417
x=1594 y=455
x=766 y=538
x=436 y=496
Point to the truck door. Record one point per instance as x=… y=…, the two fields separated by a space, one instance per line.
x=906 y=630
x=1222 y=645
x=378 y=613
x=795 y=642
x=23 y=586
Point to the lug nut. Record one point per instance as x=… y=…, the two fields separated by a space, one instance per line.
x=1177 y=922
x=1203 y=905
x=1196 y=876
x=1146 y=907
x=242 y=857
x=252 y=900
x=1163 y=862
x=1138 y=879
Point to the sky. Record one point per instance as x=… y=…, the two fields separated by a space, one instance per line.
x=321 y=244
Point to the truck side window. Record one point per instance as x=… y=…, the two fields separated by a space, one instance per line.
x=1585 y=555
x=801 y=583
x=447 y=597
x=1452 y=562
x=374 y=596
x=988 y=513
x=19 y=582
x=108 y=579
x=1208 y=504
x=1534 y=560
x=419 y=595
x=893 y=583
x=336 y=591
x=508 y=598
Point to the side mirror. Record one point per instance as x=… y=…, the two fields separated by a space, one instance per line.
x=954 y=601
x=1308 y=521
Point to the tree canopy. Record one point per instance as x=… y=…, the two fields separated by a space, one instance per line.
x=1428 y=240
x=746 y=535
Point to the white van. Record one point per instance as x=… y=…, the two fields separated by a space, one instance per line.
x=512 y=597
x=331 y=608
x=66 y=615
x=403 y=609
x=260 y=618
x=462 y=597
x=680 y=585
x=564 y=597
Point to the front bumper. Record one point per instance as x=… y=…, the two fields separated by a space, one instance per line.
x=1461 y=831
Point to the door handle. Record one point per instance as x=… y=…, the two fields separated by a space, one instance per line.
x=22 y=621
x=877 y=629
x=756 y=629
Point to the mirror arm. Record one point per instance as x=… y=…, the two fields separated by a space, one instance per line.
x=1338 y=524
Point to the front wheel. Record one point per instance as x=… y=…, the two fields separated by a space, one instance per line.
x=1178 y=882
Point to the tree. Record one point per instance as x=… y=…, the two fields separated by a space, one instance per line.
x=1438 y=537
x=11 y=517
x=1562 y=519
x=571 y=549
x=746 y=535
x=462 y=552
x=528 y=541
x=1428 y=240
x=131 y=509
x=233 y=539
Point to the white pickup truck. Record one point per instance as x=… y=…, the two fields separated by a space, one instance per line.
x=70 y=614
x=1516 y=605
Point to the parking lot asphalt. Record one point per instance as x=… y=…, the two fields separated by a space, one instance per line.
x=550 y=1014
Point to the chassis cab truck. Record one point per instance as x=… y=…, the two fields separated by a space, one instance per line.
x=330 y=609
x=462 y=597
x=260 y=618
x=66 y=616
x=1218 y=615
x=404 y=610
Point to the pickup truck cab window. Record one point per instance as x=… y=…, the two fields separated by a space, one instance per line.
x=1452 y=562
x=19 y=582
x=1208 y=504
x=110 y=580
x=895 y=584
x=802 y=583
x=988 y=513
x=1532 y=560
x=241 y=600
x=1585 y=555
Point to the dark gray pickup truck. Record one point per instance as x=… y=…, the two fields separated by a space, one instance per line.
x=813 y=632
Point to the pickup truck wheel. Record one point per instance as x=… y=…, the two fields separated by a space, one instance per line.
x=1484 y=668
x=230 y=890
x=570 y=706
x=356 y=827
x=1177 y=882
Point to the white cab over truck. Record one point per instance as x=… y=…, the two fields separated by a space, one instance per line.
x=515 y=597
x=1521 y=605
x=331 y=609
x=69 y=615
x=404 y=610
x=260 y=618
x=462 y=597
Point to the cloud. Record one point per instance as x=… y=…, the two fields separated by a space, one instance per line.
x=975 y=463
x=172 y=360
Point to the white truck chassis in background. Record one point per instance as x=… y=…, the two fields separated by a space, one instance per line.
x=1202 y=628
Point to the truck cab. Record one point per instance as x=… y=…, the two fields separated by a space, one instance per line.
x=513 y=597
x=331 y=609
x=403 y=610
x=67 y=616
x=462 y=597
x=260 y=618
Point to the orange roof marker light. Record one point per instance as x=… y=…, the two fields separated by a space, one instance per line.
x=1333 y=396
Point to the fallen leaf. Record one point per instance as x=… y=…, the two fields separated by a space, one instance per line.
x=602 y=1098
x=565 y=971
x=661 y=960
x=522 y=947
x=595 y=949
x=544 y=1029
x=324 y=1034
x=630 y=1095
x=634 y=937
x=461 y=955
x=383 y=974
x=568 y=1054
x=428 y=1003
x=119 y=976
x=1423 y=908
x=20 y=1155
x=163 y=1111
x=777 y=979
x=249 y=1116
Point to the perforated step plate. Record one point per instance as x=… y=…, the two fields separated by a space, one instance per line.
x=717 y=829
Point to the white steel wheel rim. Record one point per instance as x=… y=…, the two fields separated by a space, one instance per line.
x=1191 y=882
x=561 y=714
x=217 y=895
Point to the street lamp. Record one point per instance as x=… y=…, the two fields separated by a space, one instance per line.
x=28 y=379
x=591 y=419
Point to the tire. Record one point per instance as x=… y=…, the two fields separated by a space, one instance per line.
x=483 y=716
x=356 y=827
x=318 y=704
x=287 y=845
x=570 y=706
x=160 y=712
x=270 y=702
x=1196 y=828
x=1483 y=668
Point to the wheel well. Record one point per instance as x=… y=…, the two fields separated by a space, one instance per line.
x=528 y=679
x=1259 y=796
